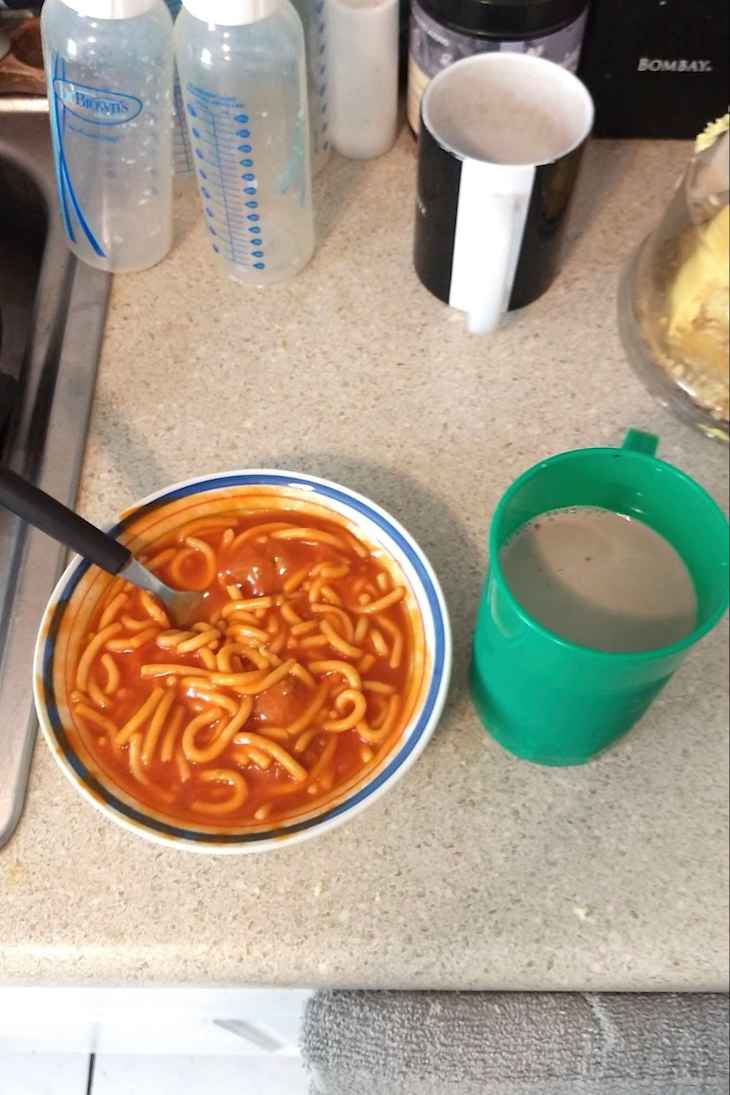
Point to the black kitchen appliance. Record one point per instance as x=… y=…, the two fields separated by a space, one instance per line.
x=657 y=68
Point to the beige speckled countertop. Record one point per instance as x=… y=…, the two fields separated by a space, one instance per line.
x=476 y=871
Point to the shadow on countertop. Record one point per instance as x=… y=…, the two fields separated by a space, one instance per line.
x=604 y=165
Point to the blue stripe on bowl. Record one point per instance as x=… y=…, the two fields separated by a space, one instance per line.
x=203 y=487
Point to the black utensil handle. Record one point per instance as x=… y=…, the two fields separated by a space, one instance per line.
x=62 y=524
x=9 y=397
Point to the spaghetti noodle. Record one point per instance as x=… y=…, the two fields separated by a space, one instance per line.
x=260 y=709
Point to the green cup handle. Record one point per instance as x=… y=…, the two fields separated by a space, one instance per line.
x=638 y=441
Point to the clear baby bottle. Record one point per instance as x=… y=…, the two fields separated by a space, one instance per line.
x=243 y=75
x=109 y=65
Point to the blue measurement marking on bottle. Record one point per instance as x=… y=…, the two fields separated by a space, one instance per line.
x=181 y=150
x=226 y=176
x=321 y=76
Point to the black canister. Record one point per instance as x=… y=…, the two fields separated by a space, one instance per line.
x=445 y=31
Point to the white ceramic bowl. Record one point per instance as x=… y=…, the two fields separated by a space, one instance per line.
x=376 y=527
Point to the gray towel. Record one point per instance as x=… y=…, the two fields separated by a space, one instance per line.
x=403 y=1043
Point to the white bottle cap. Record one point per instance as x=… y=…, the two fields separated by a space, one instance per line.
x=111 y=9
x=231 y=13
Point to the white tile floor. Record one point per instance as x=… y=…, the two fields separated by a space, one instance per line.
x=52 y=1074
x=43 y=1074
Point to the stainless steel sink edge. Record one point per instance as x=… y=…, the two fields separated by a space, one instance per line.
x=49 y=446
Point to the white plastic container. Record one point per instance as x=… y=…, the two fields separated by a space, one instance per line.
x=243 y=75
x=363 y=39
x=109 y=65
x=313 y=14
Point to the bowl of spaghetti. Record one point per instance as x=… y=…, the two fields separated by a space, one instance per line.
x=310 y=680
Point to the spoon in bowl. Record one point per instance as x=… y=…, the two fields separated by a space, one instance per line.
x=45 y=513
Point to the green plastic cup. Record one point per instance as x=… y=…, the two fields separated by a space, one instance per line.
x=543 y=698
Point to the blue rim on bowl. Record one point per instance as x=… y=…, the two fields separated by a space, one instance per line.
x=415 y=736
